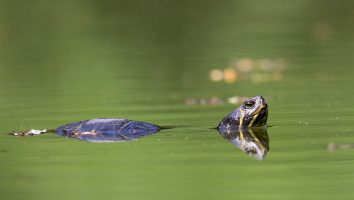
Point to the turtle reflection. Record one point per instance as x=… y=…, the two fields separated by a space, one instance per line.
x=253 y=141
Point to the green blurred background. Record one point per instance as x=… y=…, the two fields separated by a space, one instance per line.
x=164 y=62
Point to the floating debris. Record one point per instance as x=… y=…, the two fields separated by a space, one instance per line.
x=332 y=146
x=244 y=65
x=212 y=101
x=217 y=101
x=216 y=75
x=230 y=75
x=30 y=132
x=237 y=99
x=256 y=70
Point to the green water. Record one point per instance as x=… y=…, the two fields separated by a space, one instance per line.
x=66 y=61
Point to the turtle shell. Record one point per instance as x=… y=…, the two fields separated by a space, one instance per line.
x=107 y=130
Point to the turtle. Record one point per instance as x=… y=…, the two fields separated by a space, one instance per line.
x=252 y=113
x=246 y=127
x=101 y=130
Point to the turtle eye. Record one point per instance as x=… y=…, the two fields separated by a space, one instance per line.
x=248 y=104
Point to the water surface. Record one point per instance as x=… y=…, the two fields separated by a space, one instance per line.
x=155 y=61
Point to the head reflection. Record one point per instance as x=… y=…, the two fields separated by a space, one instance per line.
x=253 y=141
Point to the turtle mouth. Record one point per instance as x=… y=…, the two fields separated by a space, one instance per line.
x=261 y=107
x=260 y=116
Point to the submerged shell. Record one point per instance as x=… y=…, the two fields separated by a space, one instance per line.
x=107 y=130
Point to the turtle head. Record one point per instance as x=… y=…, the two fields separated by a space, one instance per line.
x=253 y=112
